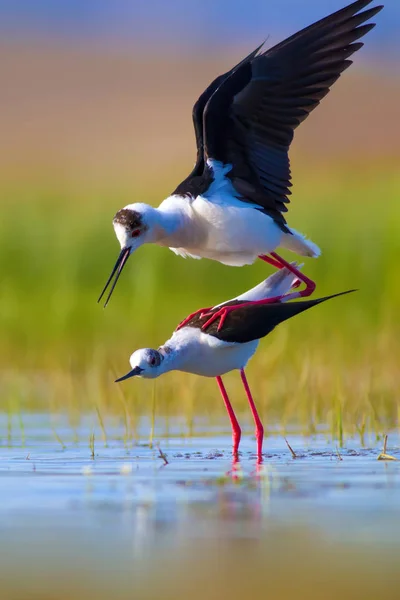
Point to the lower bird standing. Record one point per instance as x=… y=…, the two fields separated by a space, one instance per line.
x=222 y=349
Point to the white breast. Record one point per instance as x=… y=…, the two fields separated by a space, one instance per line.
x=237 y=234
x=202 y=354
x=222 y=227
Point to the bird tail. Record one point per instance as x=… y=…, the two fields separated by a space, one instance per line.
x=254 y=321
x=298 y=243
x=278 y=312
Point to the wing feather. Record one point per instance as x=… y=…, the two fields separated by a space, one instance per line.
x=250 y=118
x=254 y=321
x=200 y=175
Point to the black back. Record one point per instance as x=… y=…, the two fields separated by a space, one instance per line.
x=254 y=321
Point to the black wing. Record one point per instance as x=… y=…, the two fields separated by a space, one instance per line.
x=200 y=178
x=255 y=321
x=249 y=121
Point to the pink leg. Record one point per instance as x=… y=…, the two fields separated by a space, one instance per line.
x=190 y=317
x=224 y=311
x=310 y=284
x=271 y=261
x=257 y=420
x=236 y=432
x=276 y=261
x=277 y=265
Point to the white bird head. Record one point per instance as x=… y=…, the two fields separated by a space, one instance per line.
x=134 y=225
x=146 y=363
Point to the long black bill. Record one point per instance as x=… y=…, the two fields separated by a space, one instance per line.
x=135 y=371
x=119 y=265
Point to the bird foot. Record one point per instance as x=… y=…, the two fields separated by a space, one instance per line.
x=224 y=311
x=190 y=317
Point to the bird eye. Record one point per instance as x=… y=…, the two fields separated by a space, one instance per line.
x=135 y=233
x=154 y=359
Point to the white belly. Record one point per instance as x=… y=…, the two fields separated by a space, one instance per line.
x=210 y=361
x=233 y=234
x=219 y=226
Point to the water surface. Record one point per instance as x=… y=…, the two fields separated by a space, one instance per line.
x=63 y=510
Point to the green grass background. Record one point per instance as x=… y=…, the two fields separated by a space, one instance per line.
x=337 y=365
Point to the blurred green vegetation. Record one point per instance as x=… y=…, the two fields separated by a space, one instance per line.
x=336 y=365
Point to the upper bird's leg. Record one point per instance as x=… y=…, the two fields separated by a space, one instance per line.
x=236 y=432
x=276 y=261
x=278 y=265
x=309 y=283
x=257 y=420
x=225 y=310
x=271 y=261
x=190 y=317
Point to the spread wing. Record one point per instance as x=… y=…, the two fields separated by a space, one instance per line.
x=201 y=176
x=250 y=119
x=247 y=116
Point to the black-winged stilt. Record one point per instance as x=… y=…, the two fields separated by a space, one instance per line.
x=231 y=207
x=220 y=350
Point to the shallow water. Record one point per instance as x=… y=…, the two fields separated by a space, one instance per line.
x=61 y=509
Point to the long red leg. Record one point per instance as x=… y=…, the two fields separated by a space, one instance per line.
x=277 y=265
x=276 y=261
x=190 y=317
x=236 y=431
x=224 y=311
x=271 y=261
x=309 y=283
x=257 y=420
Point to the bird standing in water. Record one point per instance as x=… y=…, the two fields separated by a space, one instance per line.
x=217 y=351
x=231 y=206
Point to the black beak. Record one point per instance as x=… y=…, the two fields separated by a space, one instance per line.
x=119 y=265
x=135 y=371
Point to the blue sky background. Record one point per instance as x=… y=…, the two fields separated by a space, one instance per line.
x=192 y=24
